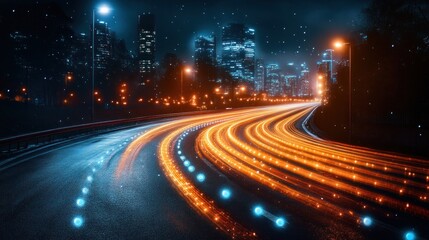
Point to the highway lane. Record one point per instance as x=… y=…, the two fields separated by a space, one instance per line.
x=249 y=173
x=39 y=197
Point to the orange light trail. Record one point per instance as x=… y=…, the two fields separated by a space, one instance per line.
x=274 y=152
x=184 y=186
x=267 y=146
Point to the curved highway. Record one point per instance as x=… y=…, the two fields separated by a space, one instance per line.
x=254 y=173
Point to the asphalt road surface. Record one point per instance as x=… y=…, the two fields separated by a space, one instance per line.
x=254 y=173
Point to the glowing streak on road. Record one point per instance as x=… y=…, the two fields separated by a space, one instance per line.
x=318 y=167
x=265 y=145
x=194 y=197
x=324 y=175
x=174 y=173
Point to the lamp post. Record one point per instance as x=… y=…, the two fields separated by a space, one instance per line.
x=186 y=70
x=104 y=10
x=339 y=45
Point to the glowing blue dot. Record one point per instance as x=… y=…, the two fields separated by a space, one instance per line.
x=93 y=170
x=187 y=163
x=85 y=190
x=226 y=193
x=410 y=235
x=89 y=178
x=191 y=168
x=201 y=177
x=367 y=221
x=280 y=222
x=78 y=222
x=258 y=211
x=179 y=152
x=80 y=202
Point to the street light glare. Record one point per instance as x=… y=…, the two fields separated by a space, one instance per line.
x=338 y=44
x=104 y=9
x=188 y=70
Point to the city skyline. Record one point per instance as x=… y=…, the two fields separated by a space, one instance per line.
x=284 y=29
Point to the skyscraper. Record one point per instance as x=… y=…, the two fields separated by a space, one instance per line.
x=327 y=59
x=146 y=48
x=81 y=66
x=305 y=88
x=272 y=81
x=205 y=63
x=102 y=57
x=249 y=56
x=259 y=75
x=205 y=50
x=238 y=52
x=103 y=45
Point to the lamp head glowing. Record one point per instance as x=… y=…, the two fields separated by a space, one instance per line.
x=104 y=9
x=188 y=70
x=338 y=44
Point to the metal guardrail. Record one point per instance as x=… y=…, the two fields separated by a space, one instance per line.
x=16 y=143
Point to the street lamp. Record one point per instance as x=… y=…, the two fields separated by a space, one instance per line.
x=103 y=10
x=187 y=70
x=339 y=45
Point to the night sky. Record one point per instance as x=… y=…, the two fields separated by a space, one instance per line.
x=285 y=30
